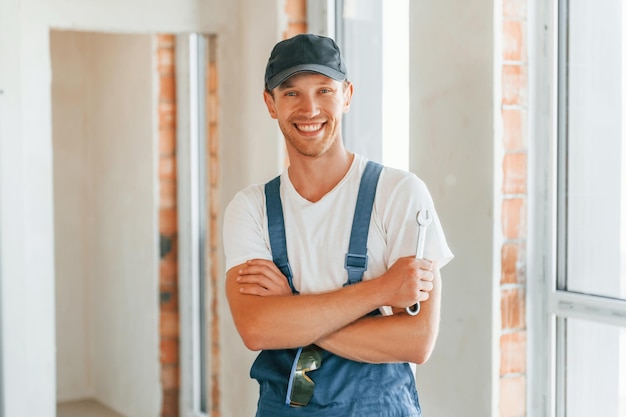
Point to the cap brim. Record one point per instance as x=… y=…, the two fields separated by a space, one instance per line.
x=277 y=79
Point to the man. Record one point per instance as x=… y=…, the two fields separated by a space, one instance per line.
x=326 y=351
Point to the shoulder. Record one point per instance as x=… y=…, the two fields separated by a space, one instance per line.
x=249 y=199
x=396 y=181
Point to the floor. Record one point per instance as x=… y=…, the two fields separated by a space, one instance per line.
x=84 y=408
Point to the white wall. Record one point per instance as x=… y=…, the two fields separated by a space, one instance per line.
x=72 y=186
x=26 y=214
x=26 y=239
x=124 y=227
x=106 y=220
x=453 y=148
x=252 y=153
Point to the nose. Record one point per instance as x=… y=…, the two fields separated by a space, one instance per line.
x=308 y=106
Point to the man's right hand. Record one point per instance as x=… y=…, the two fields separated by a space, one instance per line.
x=410 y=280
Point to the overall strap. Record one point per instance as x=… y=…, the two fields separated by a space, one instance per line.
x=276 y=229
x=356 y=258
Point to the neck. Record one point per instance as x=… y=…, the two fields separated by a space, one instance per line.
x=314 y=177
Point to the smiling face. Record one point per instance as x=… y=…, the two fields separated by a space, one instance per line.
x=309 y=108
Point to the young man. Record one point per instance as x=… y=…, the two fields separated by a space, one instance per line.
x=326 y=349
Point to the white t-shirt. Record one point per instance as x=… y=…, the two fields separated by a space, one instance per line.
x=318 y=234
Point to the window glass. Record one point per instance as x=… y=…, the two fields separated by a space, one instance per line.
x=596 y=369
x=374 y=38
x=359 y=34
x=596 y=149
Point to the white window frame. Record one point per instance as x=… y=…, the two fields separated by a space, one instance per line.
x=549 y=305
x=195 y=366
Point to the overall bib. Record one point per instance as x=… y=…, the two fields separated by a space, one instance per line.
x=342 y=387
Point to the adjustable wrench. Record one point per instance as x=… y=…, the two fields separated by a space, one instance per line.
x=423 y=220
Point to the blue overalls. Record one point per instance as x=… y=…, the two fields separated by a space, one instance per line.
x=342 y=387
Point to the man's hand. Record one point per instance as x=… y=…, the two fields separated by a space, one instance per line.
x=262 y=277
x=411 y=280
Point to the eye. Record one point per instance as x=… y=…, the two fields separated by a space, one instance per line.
x=326 y=90
x=290 y=93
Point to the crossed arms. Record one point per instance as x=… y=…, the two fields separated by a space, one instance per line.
x=268 y=316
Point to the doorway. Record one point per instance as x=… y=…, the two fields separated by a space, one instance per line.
x=106 y=223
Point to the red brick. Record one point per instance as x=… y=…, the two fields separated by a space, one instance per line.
x=514 y=218
x=170 y=403
x=169 y=351
x=167 y=89
x=513 y=397
x=212 y=84
x=167 y=194
x=167 y=116
x=514 y=8
x=513 y=353
x=214 y=142
x=166 y=61
x=294 y=29
x=167 y=142
x=212 y=108
x=172 y=255
x=296 y=10
x=513 y=261
x=214 y=267
x=514 y=85
x=214 y=205
x=169 y=324
x=168 y=296
x=168 y=272
x=514 y=40
x=167 y=221
x=166 y=40
x=170 y=377
x=514 y=129
x=515 y=173
x=167 y=167
x=513 y=308
x=214 y=171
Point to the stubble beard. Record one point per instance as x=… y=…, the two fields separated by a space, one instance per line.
x=314 y=147
x=307 y=147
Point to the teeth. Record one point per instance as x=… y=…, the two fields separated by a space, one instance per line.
x=309 y=127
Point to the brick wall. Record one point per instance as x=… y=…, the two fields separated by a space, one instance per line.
x=514 y=111
x=212 y=247
x=168 y=274
x=168 y=229
x=296 y=18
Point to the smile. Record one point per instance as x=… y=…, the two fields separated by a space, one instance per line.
x=311 y=127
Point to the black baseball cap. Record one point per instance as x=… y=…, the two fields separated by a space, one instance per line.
x=304 y=53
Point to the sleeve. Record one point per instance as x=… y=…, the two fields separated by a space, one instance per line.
x=403 y=201
x=244 y=233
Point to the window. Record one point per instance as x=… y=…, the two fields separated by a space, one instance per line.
x=586 y=289
x=374 y=38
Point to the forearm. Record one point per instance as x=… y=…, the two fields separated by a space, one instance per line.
x=276 y=322
x=397 y=338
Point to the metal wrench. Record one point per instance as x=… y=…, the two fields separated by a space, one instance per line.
x=423 y=220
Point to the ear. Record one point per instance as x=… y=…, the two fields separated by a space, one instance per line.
x=347 y=96
x=269 y=102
